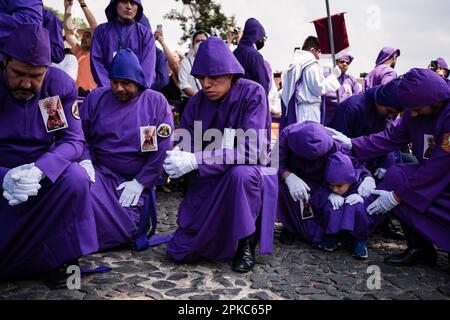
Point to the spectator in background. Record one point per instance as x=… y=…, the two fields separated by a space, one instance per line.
x=440 y=67
x=85 y=80
x=70 y=63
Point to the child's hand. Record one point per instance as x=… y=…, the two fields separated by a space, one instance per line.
x=336 y=201
x=354 y=199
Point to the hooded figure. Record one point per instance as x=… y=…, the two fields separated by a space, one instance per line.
x=115 y=132
x=384 y=72
x=342 y=179
x=57 y=225
x=349 y=87
x=248 y=56
x=116 y=34
x=304 y=152
x=228 y=201
x=367 y=113
x=417 y=194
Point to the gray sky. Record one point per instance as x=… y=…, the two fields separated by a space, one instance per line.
x=420 y=29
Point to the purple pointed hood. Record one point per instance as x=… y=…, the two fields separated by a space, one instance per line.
x=387 y=95
x=126 y=65
x=340 y=169
x=111 y=12
x=442 y=63
x=385 y=54
x=253 y=31
x=214 y=58
x=30 y=43
x=310 y=140
x=422 y=87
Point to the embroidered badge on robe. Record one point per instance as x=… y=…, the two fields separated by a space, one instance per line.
x=149 y=139
x=164 y=130
x=446 y=142
x=429 y=144
x=52 y=113
x=76 y=111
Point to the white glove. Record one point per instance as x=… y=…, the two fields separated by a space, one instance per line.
x=384 y=203
x=336 y=71
x=342 y=138
x=336 y=200
x=354 y=199
x=366 y=187
x=131 y=193
x=178 y=163
x=21 y=182
x=379 y=173
x=298 y=188
x=87 y=165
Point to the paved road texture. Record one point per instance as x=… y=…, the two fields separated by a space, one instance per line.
x=295 y=272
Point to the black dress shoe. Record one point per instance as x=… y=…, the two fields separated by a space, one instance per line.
x=57 y=279
x=391 y=231
x=411 y=257
x=244 y=259
x=287 y=237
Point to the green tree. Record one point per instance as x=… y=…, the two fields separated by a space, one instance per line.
x=201 y=15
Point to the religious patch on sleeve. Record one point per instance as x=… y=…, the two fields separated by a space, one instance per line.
x=149 y=139
x=228 y=138
x=164 y=130
x=446 y=142
x=306 y=210
x=76 y=111
x=52 y=113
x=429 y=144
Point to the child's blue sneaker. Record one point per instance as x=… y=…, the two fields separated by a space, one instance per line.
x=360 y=250
x=328 y=244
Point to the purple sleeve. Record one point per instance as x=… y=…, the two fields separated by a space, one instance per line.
x=431 y=178
x=375 y=145
x=161 y=72
x=283 y=154
x=258 y=72
x=68 y=142
x=356 y=88
x=255 y=118
x=54 y=27
x=388 y=75
x=148 y=59
x=85 y=116
x=3 y=172
x=17 y=12
x=153 y=169
x=98 y=62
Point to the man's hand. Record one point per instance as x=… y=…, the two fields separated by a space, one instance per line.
x=384 y=203
x=340 y=137
x=87 y=165
x=366 y=187
x=131 y=193
x=68 y=3
x=178 y=163
x=298 y=188
x=21 y=182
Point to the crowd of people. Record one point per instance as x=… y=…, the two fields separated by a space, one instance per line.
x=87 y=132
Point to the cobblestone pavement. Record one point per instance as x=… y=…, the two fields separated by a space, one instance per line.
x=291 y=272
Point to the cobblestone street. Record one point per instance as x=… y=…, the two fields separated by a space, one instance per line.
x=291 y=272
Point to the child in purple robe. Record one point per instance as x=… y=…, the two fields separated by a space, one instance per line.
x=341 y=210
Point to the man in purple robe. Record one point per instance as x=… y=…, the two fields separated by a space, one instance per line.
x=417 y=194
x=230 y=200
x=304 y=151
x=46 y=217
x=384 y=68
x=127 y=129
x=247 y=53
x=349 y=87
x=122 y=31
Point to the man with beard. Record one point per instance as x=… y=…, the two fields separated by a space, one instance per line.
x=46 y=217
x=85 y=80
x=248 y=55
x=384 y=70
